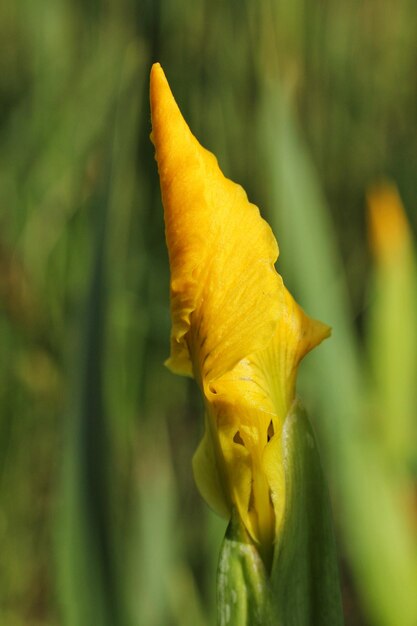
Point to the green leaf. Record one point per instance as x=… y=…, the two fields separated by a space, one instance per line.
x=89 y=585
x=305 y=581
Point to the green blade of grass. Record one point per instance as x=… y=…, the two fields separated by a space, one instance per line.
x=89 y=586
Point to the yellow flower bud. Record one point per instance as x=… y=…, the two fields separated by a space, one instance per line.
x=235 y=327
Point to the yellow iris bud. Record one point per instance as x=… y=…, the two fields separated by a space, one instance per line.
x=235 y=327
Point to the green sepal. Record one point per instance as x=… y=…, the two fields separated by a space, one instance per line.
x=305 y=588
x=242 y=585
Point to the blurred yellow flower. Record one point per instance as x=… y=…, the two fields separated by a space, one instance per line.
x=392 y=330
x=389 y=230
x=235 y=327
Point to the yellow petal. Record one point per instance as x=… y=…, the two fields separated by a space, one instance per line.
x=273 y=468
x=237 y=460
x=221 y=251
x=210 y=474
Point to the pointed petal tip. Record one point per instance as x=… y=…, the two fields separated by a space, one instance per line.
x=306 y=331
x=323 y=332
x=161 y=95
x=157 y=76
x=169 y=129
x=179 y=364
x=315 y=332
x=158 y=85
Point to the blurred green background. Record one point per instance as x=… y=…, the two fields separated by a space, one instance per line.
x=306 y=104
